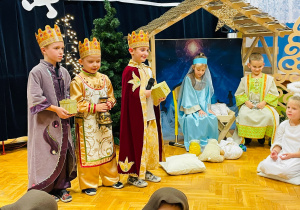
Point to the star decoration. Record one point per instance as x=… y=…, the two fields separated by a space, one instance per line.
x=125 y=166
x=225 y=15
x=135 y=81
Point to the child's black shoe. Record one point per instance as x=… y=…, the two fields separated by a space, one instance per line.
x=90 y=191
x=247 y=141
x=261 y=141
x=118 y=185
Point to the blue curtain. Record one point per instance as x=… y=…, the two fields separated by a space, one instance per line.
x=19 y=51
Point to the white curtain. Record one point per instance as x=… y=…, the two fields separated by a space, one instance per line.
x=286 y=11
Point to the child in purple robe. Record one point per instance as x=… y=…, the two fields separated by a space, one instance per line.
x=51 y=158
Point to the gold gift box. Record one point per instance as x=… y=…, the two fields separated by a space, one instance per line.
x=69 y=105
x=160 y=90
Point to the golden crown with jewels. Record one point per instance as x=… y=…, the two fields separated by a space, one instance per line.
x=49 y=36
x=138 y=40
x=89 y=48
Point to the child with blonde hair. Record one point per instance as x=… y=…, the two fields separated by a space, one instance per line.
x=196 y=118
x=96 y=154
x=256 y=97
x=284 y=161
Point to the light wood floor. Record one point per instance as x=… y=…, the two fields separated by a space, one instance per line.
x=232 y=184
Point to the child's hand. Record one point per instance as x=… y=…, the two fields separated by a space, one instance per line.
x=148 y=93
x=109 y=105
x=274 y=155
x=202 y=113
x=161 y=99
x=210 y=111
x=286 y=156
x=62 y=113
x=249 y=104
x=261 y=105
x=101 y=107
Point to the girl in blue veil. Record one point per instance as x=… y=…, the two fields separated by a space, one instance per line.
x=195 y=117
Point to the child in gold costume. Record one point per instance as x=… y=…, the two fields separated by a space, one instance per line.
x=96 y=155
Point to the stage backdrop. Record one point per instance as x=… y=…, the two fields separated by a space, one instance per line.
x=174 y=58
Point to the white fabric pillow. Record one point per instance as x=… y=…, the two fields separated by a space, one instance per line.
x=183 y=164
x=295 y=180
x=231 y=149
x=220 y=109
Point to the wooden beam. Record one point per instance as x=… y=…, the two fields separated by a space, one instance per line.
x=261 y=50
x=250 y=50
x=153 y=56
x=275 y=52
x=244 y=50
x=251 y=14
x=264 y=43
x=257 y=34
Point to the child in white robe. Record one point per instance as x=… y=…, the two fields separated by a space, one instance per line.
x=284 y=160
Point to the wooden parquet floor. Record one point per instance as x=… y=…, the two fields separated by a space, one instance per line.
x=232 y=184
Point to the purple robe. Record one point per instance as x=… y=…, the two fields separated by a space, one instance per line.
x=51 y=158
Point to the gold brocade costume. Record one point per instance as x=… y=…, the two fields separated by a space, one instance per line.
x=95 y=149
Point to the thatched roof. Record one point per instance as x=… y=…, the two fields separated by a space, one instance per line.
x=249 y=20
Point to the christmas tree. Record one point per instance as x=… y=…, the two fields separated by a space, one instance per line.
x=114 y=57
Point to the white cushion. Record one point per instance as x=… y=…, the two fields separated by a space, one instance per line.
x=220 y=109
x=231 y=149
x=183 y=164
x=295 y=180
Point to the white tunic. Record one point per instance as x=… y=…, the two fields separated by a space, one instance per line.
x=288 y=138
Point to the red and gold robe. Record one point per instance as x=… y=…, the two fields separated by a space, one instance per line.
x=141 y=143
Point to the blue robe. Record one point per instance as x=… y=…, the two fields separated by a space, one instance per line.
x=193 y=125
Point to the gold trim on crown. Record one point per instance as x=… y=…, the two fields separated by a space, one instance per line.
x=89 y=48
x=48 y=36
x=138 y=40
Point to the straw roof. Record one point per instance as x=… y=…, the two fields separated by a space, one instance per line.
x=237 y=14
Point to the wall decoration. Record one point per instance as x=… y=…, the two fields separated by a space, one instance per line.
x=52 y=13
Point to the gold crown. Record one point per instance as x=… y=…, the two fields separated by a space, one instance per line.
x=138 y=40
x=48 y=36
x=89 y=48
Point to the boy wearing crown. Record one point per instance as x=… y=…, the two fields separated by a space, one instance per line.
x=95 y=149
x=141 y=144
x=51 y=158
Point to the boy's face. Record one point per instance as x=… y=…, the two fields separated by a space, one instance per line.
x=91 y=63
x=53 y=53
x=256 y=67
x=139 y=54
x=199 y=70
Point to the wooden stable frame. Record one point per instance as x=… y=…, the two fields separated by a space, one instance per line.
x=250 y=21
x=288 y=73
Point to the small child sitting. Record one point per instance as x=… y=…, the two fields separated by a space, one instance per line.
x=284 y=162
x=257 y=96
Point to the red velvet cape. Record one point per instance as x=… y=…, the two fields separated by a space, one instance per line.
x=132 y=124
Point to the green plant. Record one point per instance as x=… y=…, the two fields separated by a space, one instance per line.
x=114 y=57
